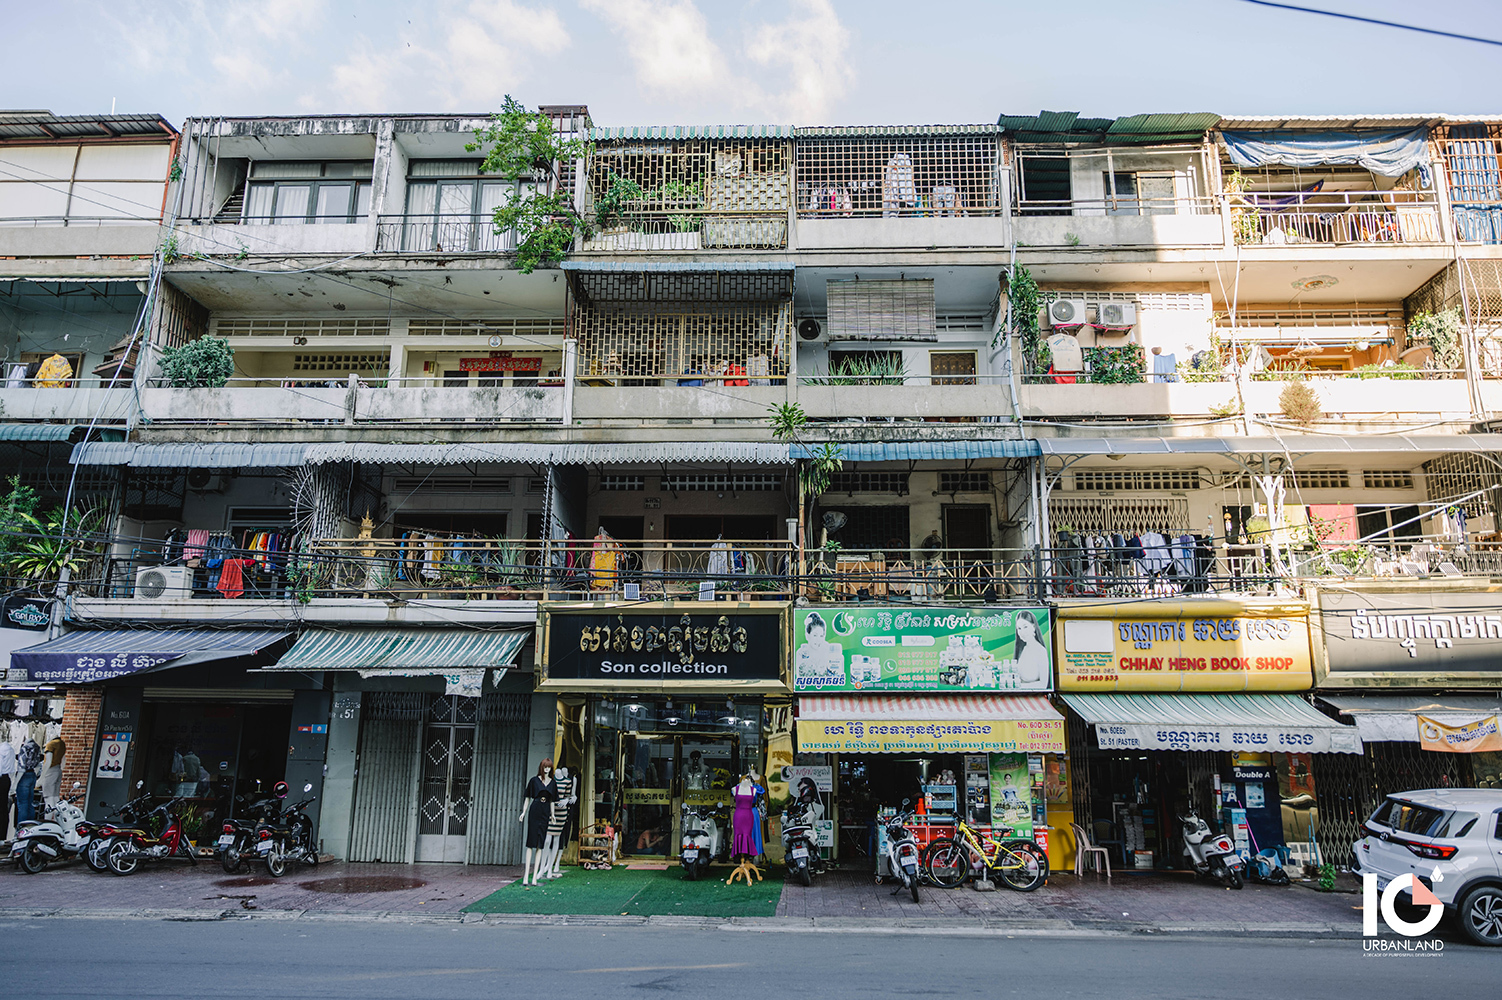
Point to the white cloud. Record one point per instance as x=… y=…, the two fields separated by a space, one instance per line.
x=792 y=70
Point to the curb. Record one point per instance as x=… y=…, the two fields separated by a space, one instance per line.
x=949 y=927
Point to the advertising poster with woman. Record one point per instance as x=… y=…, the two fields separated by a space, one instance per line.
x=951 y=650
x=1011 y=793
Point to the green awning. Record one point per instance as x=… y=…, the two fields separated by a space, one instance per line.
x=404 y=651
x=40 y=432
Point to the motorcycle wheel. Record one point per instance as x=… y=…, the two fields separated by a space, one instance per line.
x=1033 y=871
x=912 y=885
x=805 y=876
x=118 y=862
x=310 y=858
x=1233 y=879
x=276 y=864
x=230 y=860
x=691 y=871
x=96 y=854
x=946 y=863
x=32 y=860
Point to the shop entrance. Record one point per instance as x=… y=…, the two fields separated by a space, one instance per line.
x=664 y=774
x=447 y=768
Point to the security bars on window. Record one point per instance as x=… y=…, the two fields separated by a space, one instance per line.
x=743 y=482
x=885 y=176
x=733 y=345
x=868 y=482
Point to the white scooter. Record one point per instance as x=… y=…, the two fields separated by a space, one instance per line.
x=58 y=839
x=1213 y=854
x=701 y=841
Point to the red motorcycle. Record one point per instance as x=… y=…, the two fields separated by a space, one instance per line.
x=131 y=847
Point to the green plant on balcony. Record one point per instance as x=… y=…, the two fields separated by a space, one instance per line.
x=1125 y=365
x=1246 y=225
x=863 y=369
x=1024 y=300
x=1441 y=332
x=38 y=548
x=1396 y=370
x=521 y=144
x=1283 y=370
x=207 y=362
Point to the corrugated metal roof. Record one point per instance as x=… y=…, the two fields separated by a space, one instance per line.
x=1357 y=704
x=1316 y=444
x=1068 y=126
x=1329 y=121
x=890 y=131
x=918 y=451
x=648 y=452
x=639 y=266
x=395 y=650
x=223 y=455
x=47 y=127
x=927 y=708
x=662 y=133
x=39 y=432
x=1283 y=710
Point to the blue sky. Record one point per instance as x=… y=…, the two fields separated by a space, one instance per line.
x=761 y=61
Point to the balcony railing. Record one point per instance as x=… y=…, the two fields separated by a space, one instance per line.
x=1284 y=218
x=692 y=230
x=429 y=234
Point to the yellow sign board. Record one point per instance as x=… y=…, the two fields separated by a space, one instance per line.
x=707 y=797
x=1476 y=737
x=1216 y=652
x=903 y=736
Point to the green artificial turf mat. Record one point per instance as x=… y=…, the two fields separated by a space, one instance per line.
x=637 y=892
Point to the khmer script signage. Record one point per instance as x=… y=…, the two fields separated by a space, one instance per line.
x=1412 y=634
x=632 y=645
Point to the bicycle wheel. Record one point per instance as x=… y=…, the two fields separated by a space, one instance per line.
x=1022 y=865
x=946 y=863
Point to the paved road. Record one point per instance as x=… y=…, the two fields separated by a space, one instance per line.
x=263 y=959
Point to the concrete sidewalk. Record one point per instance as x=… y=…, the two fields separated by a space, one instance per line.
x=839 y=901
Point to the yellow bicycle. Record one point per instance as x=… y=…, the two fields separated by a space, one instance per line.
x=1019 y=862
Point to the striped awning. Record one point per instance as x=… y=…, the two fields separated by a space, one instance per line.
x=404 y=651
x=1283 y=723
x=940 y=723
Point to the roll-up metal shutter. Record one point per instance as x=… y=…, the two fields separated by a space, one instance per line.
x=495 y=836
x=385 y=823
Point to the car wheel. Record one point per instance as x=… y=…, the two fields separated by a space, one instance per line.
x=1481 y=916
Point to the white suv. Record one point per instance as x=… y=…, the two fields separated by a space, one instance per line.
x=1450 y=839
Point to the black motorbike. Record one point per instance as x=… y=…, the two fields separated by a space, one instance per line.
x=237 y=835
x=289 y=839
x=799 y=846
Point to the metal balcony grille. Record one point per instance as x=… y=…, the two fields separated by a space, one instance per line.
x=1387 y=479
x=364 y=364
x=302 y=327
x=1126 y=515
x=1460 y=474
x=744 y=482
x=899 y=175
x=740 y=344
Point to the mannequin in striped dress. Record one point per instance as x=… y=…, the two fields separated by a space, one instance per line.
x=558 y=822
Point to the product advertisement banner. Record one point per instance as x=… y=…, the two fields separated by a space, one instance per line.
x=1220 y=651
x=882 y=649
x=1000 y=736
x=1012 y=793
x=1477 y=737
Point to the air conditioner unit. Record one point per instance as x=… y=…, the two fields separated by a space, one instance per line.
x=204 y=481
x=1067 y=312
x=1119 y=314
x=164 y=583
x=810 y=330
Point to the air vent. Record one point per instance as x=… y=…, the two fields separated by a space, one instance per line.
x=749 y=482
x=964 y=482
x=1387 y=479
x=1136 y=480
x=451 y=484
x=537 y=485
x=869 y=482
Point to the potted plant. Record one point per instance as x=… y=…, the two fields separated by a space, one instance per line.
x=207 y=362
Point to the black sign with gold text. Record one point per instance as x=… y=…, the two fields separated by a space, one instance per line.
x=605 y=646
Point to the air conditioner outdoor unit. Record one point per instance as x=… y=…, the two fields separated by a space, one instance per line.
x=164 y=583
x=204 y=481
x=810 y=330
x=1067 y=312
x=1118 y=314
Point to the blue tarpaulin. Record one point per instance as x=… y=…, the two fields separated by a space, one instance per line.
x=1390 y=153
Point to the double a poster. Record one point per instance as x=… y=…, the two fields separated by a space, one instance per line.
x=917 y=649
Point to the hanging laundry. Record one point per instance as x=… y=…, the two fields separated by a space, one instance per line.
x=232 y=577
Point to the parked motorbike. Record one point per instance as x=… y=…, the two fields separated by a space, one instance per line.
x=1212 y=854
x=800 y=847
x=902 y=851
x=132 y=847
x=103 y=835
x=290 y=838
x=701 y=841
x=237 y=835
x=62 y=838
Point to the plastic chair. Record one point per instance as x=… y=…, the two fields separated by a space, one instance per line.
x=1083 y=847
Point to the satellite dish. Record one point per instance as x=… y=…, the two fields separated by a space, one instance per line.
x=809 y=329
x=834 y=520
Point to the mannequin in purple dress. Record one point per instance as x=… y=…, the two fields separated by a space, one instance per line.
x=745 y=826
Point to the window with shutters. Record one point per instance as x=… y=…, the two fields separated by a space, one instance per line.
x=881 y=310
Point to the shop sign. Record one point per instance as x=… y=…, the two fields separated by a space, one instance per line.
x=646 y=797
x=33 y=613
x=1480 y=736
x=1212 y=652
x=1252 y=767
x=1412 y=634
x=998 y=736
x=500 y=361
x=899 y=648
x=627 y=646
x=821 y=775
x=1268 y=739
x=708 y=797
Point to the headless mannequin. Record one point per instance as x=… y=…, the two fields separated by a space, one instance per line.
x=747 y=867
x=540 y=793
x=553 y=849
